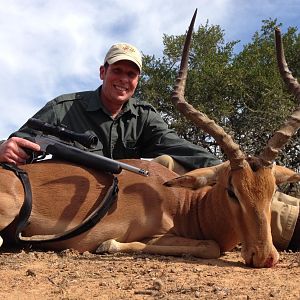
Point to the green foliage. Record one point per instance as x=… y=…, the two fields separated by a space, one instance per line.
x=262 y=100
x=242 y=92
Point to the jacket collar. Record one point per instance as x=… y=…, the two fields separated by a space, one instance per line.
x=94 y=103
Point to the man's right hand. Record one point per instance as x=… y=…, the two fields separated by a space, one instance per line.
x=12 y=150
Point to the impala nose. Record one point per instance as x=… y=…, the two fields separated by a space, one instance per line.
x=257 y=260
x=270 y=262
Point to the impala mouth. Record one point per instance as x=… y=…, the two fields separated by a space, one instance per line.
x=250 y=262
x=270 y=262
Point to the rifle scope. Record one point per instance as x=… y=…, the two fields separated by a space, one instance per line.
x=85 y=139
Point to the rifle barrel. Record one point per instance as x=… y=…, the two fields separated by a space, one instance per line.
x=75 y=155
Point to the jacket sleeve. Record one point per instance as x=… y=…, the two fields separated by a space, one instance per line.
x=159 y=140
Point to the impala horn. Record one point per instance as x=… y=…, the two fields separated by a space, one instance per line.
x=231 y=149
x=292 y=124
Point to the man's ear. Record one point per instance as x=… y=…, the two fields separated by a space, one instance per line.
x=102 y=72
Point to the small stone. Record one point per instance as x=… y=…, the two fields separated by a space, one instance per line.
x=157 y=284
x=197 y=294
x=30 y=273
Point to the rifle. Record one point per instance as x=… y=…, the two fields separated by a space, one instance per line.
x=56 y=140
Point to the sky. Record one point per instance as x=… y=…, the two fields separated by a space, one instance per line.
x=53 y=47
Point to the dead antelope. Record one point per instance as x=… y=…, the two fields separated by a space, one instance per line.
x=223 y=205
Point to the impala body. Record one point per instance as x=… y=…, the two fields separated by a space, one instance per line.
x=148 y=216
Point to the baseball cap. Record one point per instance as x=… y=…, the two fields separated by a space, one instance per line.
x=124 y=51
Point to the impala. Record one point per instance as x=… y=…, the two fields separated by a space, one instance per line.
x=203 y=213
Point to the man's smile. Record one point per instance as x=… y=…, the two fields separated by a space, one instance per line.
x=120 y=88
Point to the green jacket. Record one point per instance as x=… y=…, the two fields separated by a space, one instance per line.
x=138 y=132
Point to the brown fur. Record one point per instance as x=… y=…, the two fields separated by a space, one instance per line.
x=148 y=216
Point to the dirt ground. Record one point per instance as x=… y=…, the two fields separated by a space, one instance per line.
x=70 y=275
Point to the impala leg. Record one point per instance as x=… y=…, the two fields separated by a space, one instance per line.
x=183 y=246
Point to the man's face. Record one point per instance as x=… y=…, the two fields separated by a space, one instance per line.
x=119 y=82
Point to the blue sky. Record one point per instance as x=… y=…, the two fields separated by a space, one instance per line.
x=52 y=47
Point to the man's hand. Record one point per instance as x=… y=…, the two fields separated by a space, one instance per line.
x=12 y=150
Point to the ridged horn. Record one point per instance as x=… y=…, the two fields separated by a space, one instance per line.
x=292 y=124
x=224 y=140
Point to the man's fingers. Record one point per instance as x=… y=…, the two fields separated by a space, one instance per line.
x=21 y=153
x=16 y=159
x=23 y=143
x=13 y=150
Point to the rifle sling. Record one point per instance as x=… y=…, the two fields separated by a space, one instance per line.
x=26 y=208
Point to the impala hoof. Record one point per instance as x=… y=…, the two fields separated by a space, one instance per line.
x=109 y=246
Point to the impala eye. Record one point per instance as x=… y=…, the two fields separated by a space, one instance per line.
x=231 y=194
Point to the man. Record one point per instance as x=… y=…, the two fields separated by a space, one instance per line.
x=127 y=128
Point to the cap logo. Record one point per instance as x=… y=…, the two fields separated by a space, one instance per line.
x=127 y=48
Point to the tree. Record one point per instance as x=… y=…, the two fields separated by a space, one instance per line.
x=208 y=81
x=263 y=101
x=242 y=92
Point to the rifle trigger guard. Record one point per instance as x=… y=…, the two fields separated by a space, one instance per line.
x=35 y=156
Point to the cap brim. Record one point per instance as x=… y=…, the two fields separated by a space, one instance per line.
x=124 y=57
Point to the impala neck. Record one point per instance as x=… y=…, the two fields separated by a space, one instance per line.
x=216 y=218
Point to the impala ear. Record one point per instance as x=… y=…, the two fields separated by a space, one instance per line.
x=188 y=181
x=198 y=178
x=283 y=175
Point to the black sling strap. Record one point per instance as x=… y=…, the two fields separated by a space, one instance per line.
x=26 y=208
